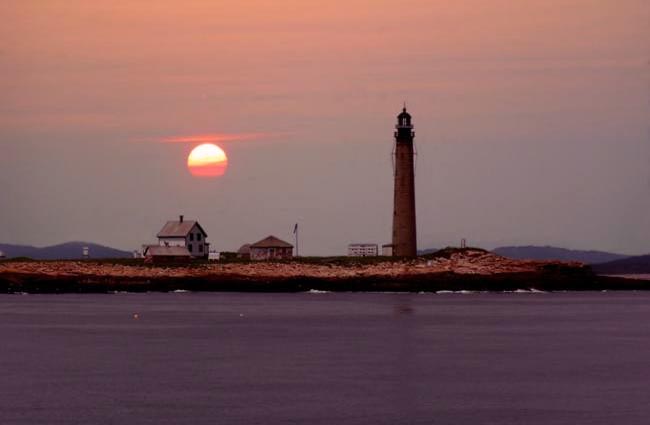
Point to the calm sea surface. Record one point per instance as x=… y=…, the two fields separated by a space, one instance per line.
x=189 y=358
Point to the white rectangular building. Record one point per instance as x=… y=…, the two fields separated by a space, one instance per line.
x=363 y=250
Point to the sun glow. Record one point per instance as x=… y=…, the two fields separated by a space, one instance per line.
x=207 y=160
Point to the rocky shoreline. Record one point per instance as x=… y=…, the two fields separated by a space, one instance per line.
x=448 y=270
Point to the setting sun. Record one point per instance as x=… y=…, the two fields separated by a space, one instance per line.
x=207 y=160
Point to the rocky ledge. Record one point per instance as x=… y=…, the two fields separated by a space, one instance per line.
x=450 y=269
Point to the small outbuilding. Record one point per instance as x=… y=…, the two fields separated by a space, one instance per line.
x=271 y=248
x=165 y=254
x=244 y=251
x=387 y=250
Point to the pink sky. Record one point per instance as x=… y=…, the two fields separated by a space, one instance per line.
x=542 y=104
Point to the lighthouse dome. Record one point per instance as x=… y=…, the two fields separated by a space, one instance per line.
x=404 y=119
x=404 y=114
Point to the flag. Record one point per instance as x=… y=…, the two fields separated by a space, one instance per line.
x=295 y=228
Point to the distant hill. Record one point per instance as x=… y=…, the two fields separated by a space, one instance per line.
x=631 y=265
x=64 y=251
x=554 y=253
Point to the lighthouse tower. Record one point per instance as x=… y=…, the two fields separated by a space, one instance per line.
x=404 y=237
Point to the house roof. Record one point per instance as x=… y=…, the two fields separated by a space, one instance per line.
x=271 y=242
x=179 y=229
x=167 y=251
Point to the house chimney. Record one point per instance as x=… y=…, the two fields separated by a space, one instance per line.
x=180 y=218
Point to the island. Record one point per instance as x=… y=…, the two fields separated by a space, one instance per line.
x=451 y=269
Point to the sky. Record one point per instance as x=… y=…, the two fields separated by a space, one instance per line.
x=532 y=120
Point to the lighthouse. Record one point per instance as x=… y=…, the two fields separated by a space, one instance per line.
x=404 y=235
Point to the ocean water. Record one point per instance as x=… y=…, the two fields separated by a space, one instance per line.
x=325 y=358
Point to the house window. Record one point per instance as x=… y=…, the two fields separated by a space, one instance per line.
x=189 y=247
x=198 y=236
x=191 y=236
x=201 y=248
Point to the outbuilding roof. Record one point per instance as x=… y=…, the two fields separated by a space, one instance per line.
x=271 y=242
x=166 y=251
x=244 y=249
x=179 y=229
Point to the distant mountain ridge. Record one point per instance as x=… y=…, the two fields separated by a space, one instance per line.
x=632 y=265
x=64 y=251
x=555 y=253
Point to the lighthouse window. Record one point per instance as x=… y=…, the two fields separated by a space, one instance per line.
x=191 y=236
x=198 y=236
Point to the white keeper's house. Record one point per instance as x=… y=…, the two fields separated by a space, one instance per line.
x=185 y=233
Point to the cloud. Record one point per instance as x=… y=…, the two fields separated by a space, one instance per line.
x=218 y=137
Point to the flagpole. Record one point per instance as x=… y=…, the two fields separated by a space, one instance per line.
x=297 y=250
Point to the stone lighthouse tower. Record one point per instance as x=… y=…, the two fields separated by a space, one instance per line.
x=404 y=237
